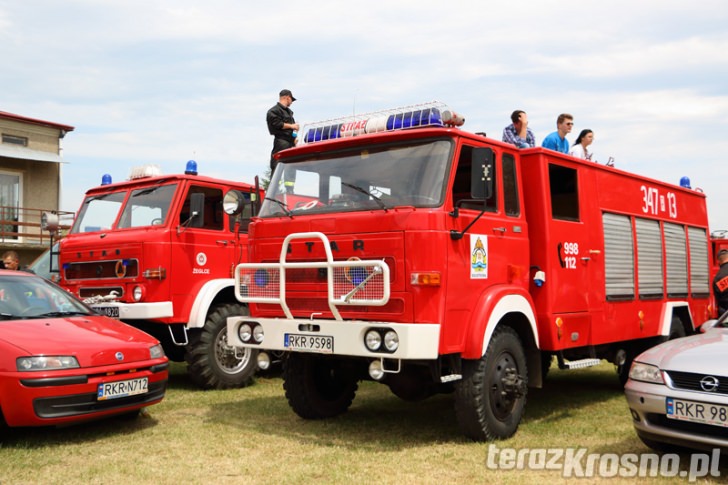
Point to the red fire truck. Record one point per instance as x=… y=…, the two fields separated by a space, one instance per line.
x=397 y=247
x=158 y=252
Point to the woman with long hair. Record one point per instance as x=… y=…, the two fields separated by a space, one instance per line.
x=579 y=149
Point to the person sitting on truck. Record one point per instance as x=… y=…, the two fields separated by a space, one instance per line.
x=720 y=282
x=579 y=148
x=518 y=133
x=557 y=140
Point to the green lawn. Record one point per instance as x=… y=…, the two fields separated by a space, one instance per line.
x=251 y=436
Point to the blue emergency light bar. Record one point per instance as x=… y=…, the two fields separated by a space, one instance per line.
x=427 y=114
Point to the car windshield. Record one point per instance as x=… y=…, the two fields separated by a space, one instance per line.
x=29 y=297
x=371 y=178
x=146 y=206
x=46 y=265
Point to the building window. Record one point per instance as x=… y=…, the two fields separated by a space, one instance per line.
x=15 y=140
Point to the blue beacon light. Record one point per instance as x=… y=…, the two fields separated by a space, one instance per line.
x=428 y=114
x=106 y=179
x=191 y=168
x=685 y=182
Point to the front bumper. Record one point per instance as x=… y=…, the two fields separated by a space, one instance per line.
x=647 y=402
x=417 y=341
x=136 y=311
x=64 y=398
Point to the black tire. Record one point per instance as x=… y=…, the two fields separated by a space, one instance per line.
x=623 y=370
x=318 y=387
x=676 y=329
x=546 y=361
x=490 y=399
x=211 y=362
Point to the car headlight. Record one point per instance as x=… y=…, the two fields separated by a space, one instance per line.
x=45 y=362
x=156 y=351
x=646 y=373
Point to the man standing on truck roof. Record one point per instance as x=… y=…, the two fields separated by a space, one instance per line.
x=557 y=140
x=282 y=125
x=720 y=282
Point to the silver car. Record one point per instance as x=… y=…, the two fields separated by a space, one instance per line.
x=678 y=391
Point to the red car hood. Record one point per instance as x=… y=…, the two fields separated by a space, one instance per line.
x=93 y=340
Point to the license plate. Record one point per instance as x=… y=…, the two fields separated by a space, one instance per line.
x=117 y=389
x=697 y=412
x=109 y=311
x=323 y=344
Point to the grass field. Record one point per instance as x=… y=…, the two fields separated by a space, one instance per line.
x=251 y=436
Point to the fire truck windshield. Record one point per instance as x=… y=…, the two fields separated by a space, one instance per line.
x=365 y=178
x=146 y=206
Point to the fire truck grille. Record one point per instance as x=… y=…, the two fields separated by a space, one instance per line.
x=350 y=284
x=91 y=292
x=305 y=306
x=94 y=270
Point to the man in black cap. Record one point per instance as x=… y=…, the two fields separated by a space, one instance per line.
x=720 y=282
x=282 y=125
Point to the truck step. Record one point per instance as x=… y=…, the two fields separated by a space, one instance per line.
x=580 y=364
x=450 y=378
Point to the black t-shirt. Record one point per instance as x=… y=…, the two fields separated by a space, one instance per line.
x=275 y=118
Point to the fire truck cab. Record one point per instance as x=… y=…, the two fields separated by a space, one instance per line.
x=158 y=252
x=399 y=248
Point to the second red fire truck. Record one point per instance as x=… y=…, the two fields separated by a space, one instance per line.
x=396 y=247
x=158 y=252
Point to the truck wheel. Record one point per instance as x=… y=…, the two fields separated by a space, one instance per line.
x=490 y=398
x=676 y=331
x=317 y=387
x=211 y=362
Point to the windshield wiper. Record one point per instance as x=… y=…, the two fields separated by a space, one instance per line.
x=283 y=206
x=366 y=192
x=57 y=314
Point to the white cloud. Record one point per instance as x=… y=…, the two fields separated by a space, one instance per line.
x=166 y=81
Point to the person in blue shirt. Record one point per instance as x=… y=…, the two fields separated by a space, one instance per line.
x=557 y=140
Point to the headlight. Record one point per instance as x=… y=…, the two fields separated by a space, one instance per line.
x=391 y=340
x=646 y=373
x=258 y=333
x=244 y=332
x=373 y=340
x=26 y=364
x=156 y=351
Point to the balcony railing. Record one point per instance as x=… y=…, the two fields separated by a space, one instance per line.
x=23 y=226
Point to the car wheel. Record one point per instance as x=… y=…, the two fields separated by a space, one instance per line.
x=317 y=387
x=212 y=363
x=490 y=399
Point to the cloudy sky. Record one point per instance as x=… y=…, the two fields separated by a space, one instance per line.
x=165 y=81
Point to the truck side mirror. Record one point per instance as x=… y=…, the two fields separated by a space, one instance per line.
x=481 y=173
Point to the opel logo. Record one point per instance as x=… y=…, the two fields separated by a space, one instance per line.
x=119 y=356
x=709 y=383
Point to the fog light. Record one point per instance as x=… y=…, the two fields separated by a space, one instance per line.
x=137 y=293
x=376 y=370
x=258 y=333
x=391 y=341
x=263 y=361
x=373 y=340
x=245 y=332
